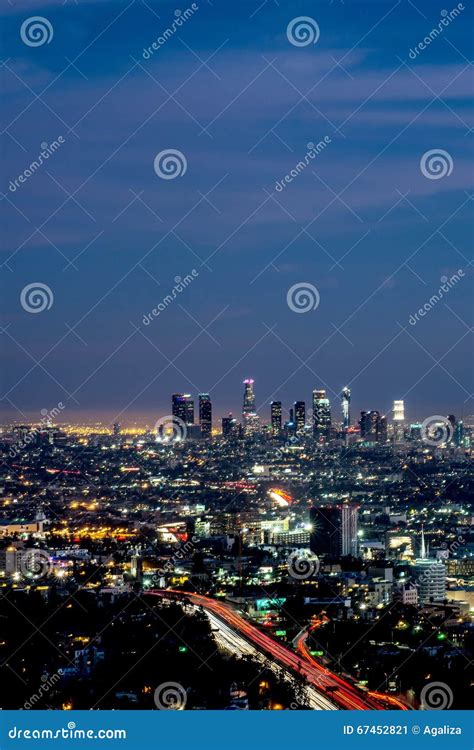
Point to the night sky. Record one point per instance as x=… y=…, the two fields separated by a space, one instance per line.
x=229 y=90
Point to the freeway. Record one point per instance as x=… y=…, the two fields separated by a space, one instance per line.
x=375 y=700
x=231 y=641
x=337 y=690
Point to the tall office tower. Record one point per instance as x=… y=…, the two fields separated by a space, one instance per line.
x=276 y=418
x=300 y=417
x=321 y=414
x=398 y=420
x=250 y=419
x=398 y=411
x=229 y=426
x=459 y=434
x=117 y=428
x=249 y=397
x=373 y=427
x=349 y=529
x=346 y=407
x=334 y=530
x=381 y=430
x=183 y=407
x=205 y=414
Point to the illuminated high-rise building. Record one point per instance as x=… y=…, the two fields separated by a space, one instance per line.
x=334 y=530
x=321 y=414
x=275 y=410
x=249 y=397
x=300 y=417
x=398 y=411
x=346 y=407
x=373 y=426
x=250 y=419
x=183 y=407
x=205 y=414
x=398 y=420
x=429 y=576
x=229 y=426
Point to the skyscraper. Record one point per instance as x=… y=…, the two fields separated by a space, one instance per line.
x=334 y=530
x=398 y=420
x=346 y=407
x=183 y=407
x=249 y=397
x=276 y=418
x=321 y=414
x=205 y=414
x=229 y=426
x=300 y=417
x=250 y=418
x=373 y=426
x=398 y=411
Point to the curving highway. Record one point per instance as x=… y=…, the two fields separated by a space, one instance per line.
x=333 y=691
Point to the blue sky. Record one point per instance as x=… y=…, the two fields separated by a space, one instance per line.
x=361 y=223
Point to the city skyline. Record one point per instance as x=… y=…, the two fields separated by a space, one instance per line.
x=216 y=251
x=236 y=415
